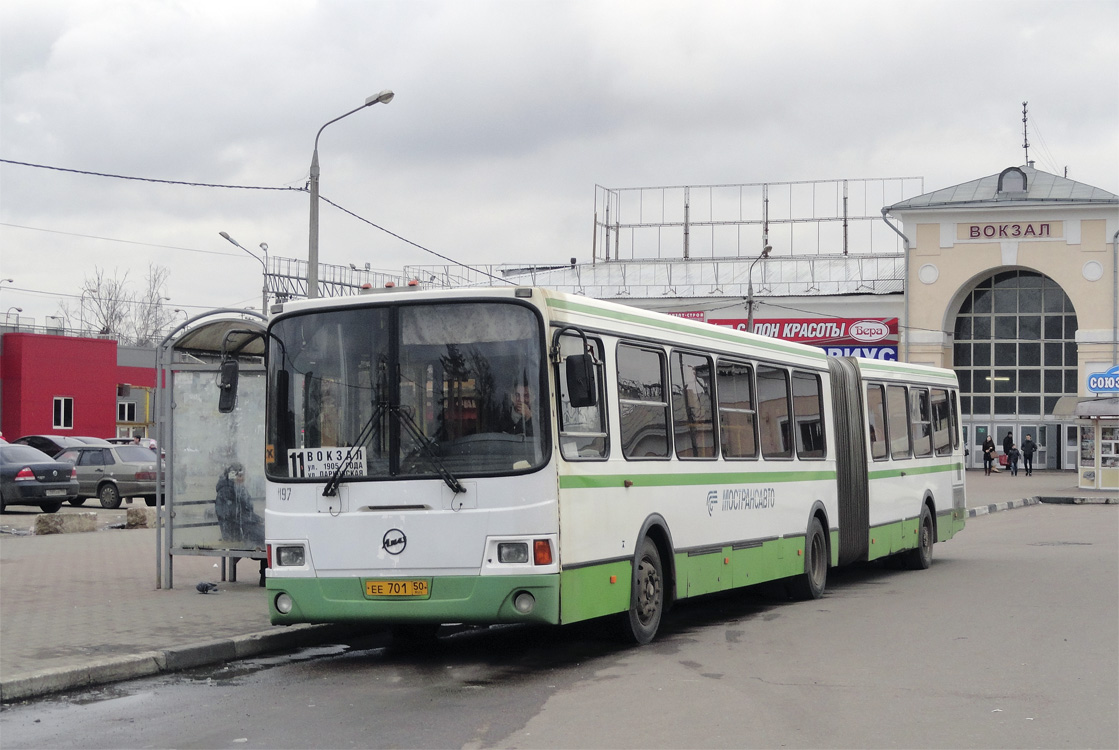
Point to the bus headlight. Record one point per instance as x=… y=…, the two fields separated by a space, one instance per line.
x=512 y=552
x=292 y=556
x=284 y=604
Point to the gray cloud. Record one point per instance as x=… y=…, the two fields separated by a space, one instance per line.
x=507 y=115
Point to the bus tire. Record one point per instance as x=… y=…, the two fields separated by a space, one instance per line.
x=811 y=583
x=920 y=557
x=646 y=603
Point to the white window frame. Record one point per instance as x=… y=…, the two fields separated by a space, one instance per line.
x=63 y=417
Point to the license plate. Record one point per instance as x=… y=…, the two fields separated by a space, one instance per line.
x=55 y=493
x=416 y=587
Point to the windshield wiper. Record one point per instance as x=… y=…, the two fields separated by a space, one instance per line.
x=331 y=488
x=425 y=446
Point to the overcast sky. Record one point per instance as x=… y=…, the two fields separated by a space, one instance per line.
x=506 y=116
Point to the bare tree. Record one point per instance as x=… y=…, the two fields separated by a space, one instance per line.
x=104 y=303
x=108 y=306
x=149 y=316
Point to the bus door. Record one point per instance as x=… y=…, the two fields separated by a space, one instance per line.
x=981 y=432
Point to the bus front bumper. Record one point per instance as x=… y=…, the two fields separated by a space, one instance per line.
x=466 y=599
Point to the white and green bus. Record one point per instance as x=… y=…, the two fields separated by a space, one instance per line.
x=520 y=455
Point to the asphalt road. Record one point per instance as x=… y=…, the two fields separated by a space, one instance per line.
x=1010 y=639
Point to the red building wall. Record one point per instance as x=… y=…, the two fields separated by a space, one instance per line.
x=36 y=368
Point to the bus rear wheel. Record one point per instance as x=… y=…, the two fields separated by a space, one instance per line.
x=811 y=583
x=646 y=604
x=920 y=557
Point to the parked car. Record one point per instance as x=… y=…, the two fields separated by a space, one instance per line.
x=111 y=472
x=92 y=440
x=30 y=477
x=52 y=445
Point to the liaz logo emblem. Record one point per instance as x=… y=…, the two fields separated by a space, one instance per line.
x=712 y=501
x=394 y=541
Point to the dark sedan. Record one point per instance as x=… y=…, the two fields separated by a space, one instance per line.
x=50 y=444
x=30 y=477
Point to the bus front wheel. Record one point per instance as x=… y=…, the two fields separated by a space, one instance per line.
x=647 y=598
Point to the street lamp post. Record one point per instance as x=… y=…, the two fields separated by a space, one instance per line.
x=750 y=289
x=313 y=244
x=264 y=263
x=18 y=311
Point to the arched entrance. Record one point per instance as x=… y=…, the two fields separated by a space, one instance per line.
x=1015 y=355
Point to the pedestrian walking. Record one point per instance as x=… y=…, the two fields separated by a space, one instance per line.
x=1028 y=449
x=989 y=452
x=1012 y=459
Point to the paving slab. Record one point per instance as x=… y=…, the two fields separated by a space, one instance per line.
x=80 y=609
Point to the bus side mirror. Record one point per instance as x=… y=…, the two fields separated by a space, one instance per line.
x=581 y=388
x=227 y=397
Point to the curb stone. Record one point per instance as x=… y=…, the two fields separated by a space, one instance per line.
x=996 y=507
x=1081 y=500
x=175 y=659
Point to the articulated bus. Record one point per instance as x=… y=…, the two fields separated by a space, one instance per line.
x=508 y=455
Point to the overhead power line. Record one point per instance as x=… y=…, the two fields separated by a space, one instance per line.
x=235 y=187
x=151 y=179
x=127 y=242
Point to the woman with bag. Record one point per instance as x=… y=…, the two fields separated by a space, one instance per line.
x=989 y=451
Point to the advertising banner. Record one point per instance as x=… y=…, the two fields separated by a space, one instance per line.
x=873 y=338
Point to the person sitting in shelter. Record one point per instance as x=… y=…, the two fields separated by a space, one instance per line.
x=234 y=508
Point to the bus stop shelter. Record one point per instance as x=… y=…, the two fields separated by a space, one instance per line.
x=213 y=475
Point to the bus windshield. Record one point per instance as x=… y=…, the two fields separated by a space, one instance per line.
x=407 y=391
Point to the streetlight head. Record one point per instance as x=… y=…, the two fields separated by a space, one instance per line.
x=767 y=250
x=382 y=98
x=19 y=309
x=226 y=235
x=264 y=246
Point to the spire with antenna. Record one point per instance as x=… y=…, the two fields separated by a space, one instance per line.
x=1025 y=134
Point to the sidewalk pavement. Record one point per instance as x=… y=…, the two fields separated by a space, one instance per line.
x=83 y=609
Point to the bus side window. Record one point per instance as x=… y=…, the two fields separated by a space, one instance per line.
x=921 y=421
x=941 y=423
x=693 y=421
x=876 y=415
x=582 y=429
x=808 y=410
x=897 y=412
x=642 y=402
x=774 y=412
x=738 y=424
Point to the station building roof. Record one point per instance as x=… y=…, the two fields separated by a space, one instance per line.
x=1013 y=186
